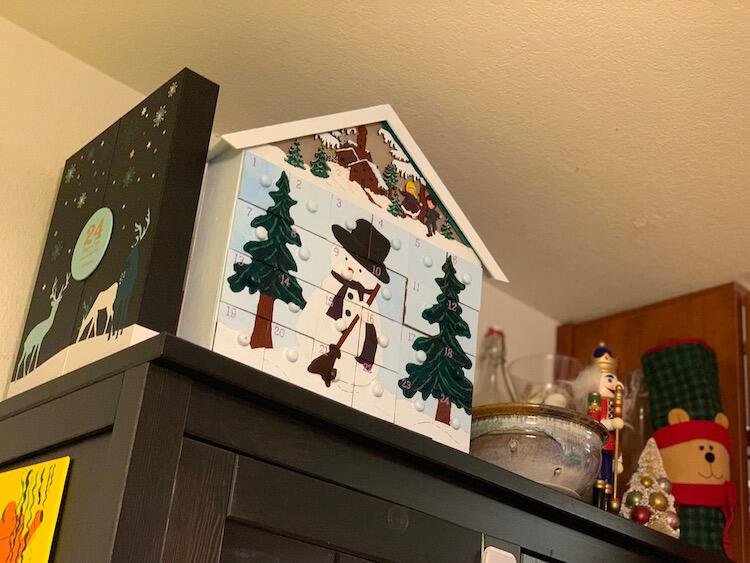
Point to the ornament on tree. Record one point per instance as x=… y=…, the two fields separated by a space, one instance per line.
x=648 y=499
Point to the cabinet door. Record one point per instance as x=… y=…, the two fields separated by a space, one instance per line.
x=285 y=516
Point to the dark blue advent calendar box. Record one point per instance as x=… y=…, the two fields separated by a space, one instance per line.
x=117 y=248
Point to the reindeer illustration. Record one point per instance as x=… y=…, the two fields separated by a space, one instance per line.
x=127 y=280
x=105 y=301
x=34 y=339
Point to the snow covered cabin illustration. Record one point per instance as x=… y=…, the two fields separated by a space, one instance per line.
x=328 y=253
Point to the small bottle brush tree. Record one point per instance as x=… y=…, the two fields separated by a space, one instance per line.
x=447 y=231
x=390 y=177
x=395 y=207
x=268 y=272
x=648 y=499
x=294 y=156
x=441 y=374
x=318 y=166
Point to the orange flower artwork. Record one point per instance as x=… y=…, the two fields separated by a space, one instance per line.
x=31 y=498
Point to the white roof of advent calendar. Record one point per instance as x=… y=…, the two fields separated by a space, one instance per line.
x=317 y=125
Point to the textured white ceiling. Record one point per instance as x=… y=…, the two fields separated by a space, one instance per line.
x=602 y=151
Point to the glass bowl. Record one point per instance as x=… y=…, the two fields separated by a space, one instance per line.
x=543 y=378
x=553 y=446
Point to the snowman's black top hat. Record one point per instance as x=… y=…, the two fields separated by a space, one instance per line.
x=368 y=246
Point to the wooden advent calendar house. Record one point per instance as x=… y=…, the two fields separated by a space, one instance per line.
x=327 y=252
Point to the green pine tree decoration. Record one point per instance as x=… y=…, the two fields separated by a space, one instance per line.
x=395 y=208
x=447 y=231
x=268 y=272
x=294 y=156
x=318 y=166
x=390 y=176
x=441 y=375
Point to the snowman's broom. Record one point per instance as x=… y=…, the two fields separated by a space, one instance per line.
x=324 y=365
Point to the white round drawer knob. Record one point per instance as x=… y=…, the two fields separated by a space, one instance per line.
x=396 y=244
x=377 y=389
x=311 y=205
x=243 y=339
x=420 y=356
x=427 y=261
x=383 y=340
x=292 y=355
x=304 y=253
x=419 y=405
x=261 y=233
x=293 y=307
x=265 y=181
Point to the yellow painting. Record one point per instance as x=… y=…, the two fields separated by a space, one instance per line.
x=30 y=501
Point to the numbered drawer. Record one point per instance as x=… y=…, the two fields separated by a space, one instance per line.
x=314 y=257
x=258 y=180
x=375 y=391
x=469 y=274
x=420 y=295
x=389 y=301
x=288 y=359
x=398 y=239
x=346 y=214
x=342 y=386
x=379 y=341
x=407 y=352
x=234 y=328
x=315 y=322
x=313 y=209
x=287 y=314
x=242 y=231
x=419 y=415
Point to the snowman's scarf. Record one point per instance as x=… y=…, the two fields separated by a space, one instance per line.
x=336 y=310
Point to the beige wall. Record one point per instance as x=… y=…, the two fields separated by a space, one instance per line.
x=527 y=331
x=50 y=105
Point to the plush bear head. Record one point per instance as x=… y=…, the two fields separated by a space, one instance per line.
x=697 y=452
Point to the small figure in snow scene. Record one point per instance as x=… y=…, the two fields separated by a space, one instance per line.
x=410 y=203
x=357 y=275
x=431 y=217
x=598 y=390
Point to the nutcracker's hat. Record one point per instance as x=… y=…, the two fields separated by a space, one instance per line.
x=367 y=245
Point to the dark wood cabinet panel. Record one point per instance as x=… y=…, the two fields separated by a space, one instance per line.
x=247 y=544
x=199 y=504
x=344 y=519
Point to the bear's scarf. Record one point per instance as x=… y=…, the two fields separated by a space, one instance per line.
x=723 y=496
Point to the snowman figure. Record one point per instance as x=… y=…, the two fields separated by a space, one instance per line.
x=357 y=275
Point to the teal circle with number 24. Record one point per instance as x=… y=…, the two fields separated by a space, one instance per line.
x=92 y=244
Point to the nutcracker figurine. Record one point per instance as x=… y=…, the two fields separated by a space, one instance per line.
x=603 y=393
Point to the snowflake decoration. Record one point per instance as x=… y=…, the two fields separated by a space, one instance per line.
x=144 y=110
x=81 y=200
x=159 y=117
x=70 y=173
x=129 y=177
x=172 y=89
x=57 y=249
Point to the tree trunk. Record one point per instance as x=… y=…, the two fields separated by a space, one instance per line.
x=443 y=413
x=261 y=337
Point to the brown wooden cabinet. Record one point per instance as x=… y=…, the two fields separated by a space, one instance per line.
x=715 y=315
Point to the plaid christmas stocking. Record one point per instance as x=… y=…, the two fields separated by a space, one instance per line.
x=691 y=432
